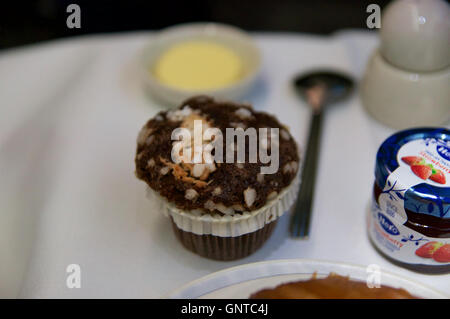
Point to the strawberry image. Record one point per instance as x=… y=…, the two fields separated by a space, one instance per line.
x=437 y=176
x=422 y=171
x=428 y=250
x=442 y=255
x=413 y=160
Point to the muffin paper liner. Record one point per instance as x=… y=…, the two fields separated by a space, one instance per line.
x=224 y=248
x=228 y=225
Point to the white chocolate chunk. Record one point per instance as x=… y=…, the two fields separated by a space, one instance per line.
x=143 y=134
x=164 y=170
x=198 y=169
x=225 y=210
x=149 y=140
x=243 y=113
x=151 y=162
x=290 y=167
x=217 y=191
x=249 y=196
x=210 y=205
x=287 y=168
x=179 y=115
x=191 y=194
x=285 y=134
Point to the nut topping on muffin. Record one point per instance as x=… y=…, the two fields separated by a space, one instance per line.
x=183 y=172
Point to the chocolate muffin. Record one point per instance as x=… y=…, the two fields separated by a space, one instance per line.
x=223 y=172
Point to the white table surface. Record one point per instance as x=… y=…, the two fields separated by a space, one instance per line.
x=69 y=116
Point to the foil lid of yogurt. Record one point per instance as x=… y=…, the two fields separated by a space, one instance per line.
x=413 y=171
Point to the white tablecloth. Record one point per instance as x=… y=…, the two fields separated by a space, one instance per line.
x=70 y=112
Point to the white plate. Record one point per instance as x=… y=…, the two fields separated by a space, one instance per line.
x=241 y=281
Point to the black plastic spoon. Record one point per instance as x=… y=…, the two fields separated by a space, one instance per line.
x=318 y=88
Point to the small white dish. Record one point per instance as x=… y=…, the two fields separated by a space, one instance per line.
x=402 y=99
x=231 y=37
x=242 y=281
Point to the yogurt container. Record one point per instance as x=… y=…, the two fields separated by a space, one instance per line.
x=409 y=219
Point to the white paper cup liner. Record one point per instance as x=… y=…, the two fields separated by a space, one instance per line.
x=229 y=225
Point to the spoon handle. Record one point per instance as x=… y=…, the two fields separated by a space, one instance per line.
x=302 y=214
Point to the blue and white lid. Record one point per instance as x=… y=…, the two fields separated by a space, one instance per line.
x=413 y=171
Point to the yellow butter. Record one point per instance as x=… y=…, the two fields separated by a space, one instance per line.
x=198 y=65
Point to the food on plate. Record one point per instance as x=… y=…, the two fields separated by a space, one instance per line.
x=223 y=193
x=332 y=287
